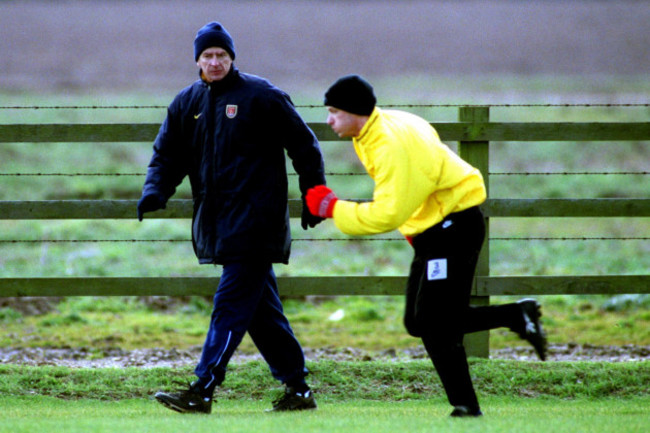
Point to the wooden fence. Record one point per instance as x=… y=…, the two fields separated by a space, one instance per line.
x=473 y=131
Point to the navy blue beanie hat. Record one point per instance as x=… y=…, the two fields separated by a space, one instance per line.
x=213 y=35
x=353 y=94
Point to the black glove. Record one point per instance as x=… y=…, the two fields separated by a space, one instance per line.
x=307 y=219
x=150 y=203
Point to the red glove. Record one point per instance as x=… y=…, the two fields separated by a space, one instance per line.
x=320 y=201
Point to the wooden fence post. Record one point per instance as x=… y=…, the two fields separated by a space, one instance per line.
x=477 y=153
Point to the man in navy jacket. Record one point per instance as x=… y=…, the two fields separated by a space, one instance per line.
x=228 y=132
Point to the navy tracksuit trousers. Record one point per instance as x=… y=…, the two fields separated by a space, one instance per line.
x=437 y=300
x=247 y=300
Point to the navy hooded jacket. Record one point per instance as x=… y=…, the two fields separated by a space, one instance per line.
x=230 y=138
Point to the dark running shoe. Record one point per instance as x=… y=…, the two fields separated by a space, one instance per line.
x=465 y=412
x=533 y=332
x=292 y=400
x=186 y=401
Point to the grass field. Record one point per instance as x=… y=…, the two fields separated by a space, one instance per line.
x=352 y=397
x=372 y=324
x=504 y=415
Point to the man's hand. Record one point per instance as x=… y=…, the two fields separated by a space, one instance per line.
x=307 y=220
x=320 y=201
x=150 y=203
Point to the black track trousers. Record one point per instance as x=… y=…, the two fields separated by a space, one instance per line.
x=437 y=299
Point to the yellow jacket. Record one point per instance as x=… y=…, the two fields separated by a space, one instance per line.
x=418 y=179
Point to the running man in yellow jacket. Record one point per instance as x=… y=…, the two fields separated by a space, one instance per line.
x=432 y=197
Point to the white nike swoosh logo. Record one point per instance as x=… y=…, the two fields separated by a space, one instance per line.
x=196 y=116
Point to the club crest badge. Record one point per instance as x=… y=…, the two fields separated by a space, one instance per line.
x=231 y=111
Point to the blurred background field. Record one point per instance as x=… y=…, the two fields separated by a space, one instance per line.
x=100 y=54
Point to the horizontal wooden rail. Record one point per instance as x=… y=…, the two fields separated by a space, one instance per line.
x=183 y=286
x=456 y=131
x=599 y=207
x=126 y=209
x=562 y=285
x=321 y=286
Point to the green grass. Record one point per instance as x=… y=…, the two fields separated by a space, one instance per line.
x=339 y=381
x=502 y=415
x=352 y=397
x=373 y=324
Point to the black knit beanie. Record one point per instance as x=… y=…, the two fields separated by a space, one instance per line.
x=213 y=35
x=353 y=94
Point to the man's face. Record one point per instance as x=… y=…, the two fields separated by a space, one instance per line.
x=215 y=63
x=343 y=123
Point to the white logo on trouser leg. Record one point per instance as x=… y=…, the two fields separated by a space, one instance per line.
x=530 y=326
x=437 y=269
